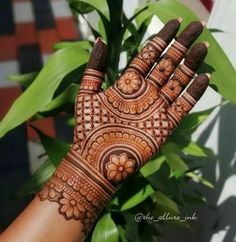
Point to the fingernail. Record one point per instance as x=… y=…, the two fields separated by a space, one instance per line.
x=203 y=23
x=206 y=43
x=180 y=19
x=98 y=40
x=208 y=75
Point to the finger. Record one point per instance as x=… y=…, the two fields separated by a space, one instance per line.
x=185 y=102
x=95 y=69
x=184 y=73
x=174 y=55
x=143 y=62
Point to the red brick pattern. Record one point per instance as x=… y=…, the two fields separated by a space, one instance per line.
x=28 y=32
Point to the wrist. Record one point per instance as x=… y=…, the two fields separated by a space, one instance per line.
x=79 y=189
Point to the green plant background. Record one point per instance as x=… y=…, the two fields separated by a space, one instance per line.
x=161 y=184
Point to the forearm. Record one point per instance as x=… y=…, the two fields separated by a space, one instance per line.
x=66 y=208
x=41 y=222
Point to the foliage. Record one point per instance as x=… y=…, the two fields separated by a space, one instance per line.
x=158 y=187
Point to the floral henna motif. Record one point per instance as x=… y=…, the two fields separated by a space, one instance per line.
x=161 y=72
x=166 y=67
x=149 y=54
x=138 y=145
x=129 y=83
x=119 y=167
x=71 y=207
x=171 y=91
x=80 y=191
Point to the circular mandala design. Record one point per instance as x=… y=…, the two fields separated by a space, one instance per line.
x=129 y=82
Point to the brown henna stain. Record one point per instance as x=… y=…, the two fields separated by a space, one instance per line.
x=168 y=32
x=198 y=86
x=190 y=33
x=98 y=58
x=196 y=56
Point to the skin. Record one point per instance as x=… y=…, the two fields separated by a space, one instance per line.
x=40 y=221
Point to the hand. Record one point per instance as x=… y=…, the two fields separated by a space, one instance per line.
x=118 y=130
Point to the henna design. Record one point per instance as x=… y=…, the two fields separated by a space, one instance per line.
x=173 y=87
x=117 y=131
x=153 y=49
x=176 y=53
x=130 y=82
x=164 y=69
x=184 y=73
x=94 y=73
x=180 y=109
x=146 y=58
x=91 y=81
x=130 y=104
x=119 y=167
x=161 y=72
x=80 y=191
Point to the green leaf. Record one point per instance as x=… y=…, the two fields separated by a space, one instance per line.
x=81 y=7
x=212 y=30
x=55 y=148
x=105 y=230
x=66 y=98
x=41 y=176
x=167 y=210
x=175 y=162
x=122 y=232
x=195 y=149
x=102 y=9
x=131 y=227
x=192 y=121
x=152 y=166
x=23 y=79
x=74 y=76
x=84 y=45
x=164 y=203
x=224 y=75
x=200 y=179
x=42 y=89
x=100 y=5
x=138 y=197
x=162 y=181
x=133 y=192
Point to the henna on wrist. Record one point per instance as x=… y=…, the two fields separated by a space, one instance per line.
x=80 y=190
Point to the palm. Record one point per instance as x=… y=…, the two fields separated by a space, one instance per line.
x=120 y=129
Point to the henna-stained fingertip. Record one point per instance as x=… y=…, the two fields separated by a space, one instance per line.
x=198 y=86
x=98 y=58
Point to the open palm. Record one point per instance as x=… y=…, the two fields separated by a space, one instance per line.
x=121 y=128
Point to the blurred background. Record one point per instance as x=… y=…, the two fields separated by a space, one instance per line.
x=28 y=31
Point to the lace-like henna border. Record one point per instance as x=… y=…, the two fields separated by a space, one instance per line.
x=79 y=189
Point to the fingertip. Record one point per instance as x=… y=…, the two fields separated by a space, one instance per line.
x=198 y=86
x=203 y=23
x=170 y=29
x=196 y=56
x=180 y=19
x=190 y=33
x=206 y=43
x=98 y=57
x=99 y=42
